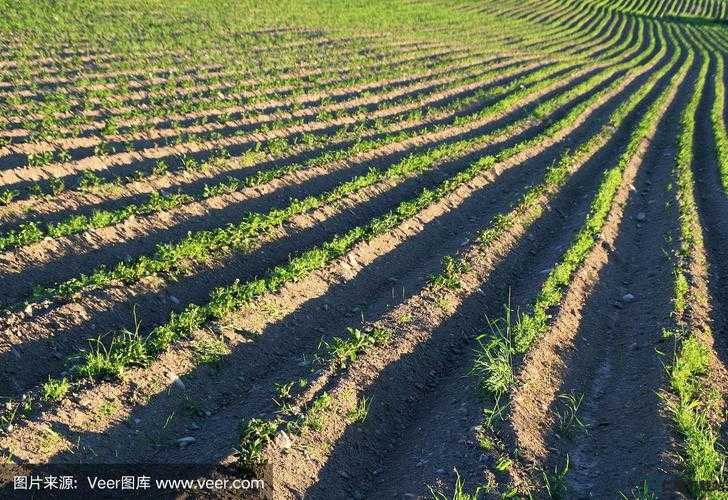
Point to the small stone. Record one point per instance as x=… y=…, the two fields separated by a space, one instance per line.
x=282 y=441
x=641 y=216
x=185 y=441
x=194 y=426
x=421 y=463
x=176 y=381
x=628 y=297
x=137 y=421
x=174 y=299
x=440 y=471
x=343 y=474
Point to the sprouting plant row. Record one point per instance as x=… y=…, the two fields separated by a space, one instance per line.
x=123 y=81
x=339 y=353
x=52 y=118
x=257 y=60
x=200 y=246
x=325 y=119
x=570 y=29
x=28 y=65
x=693 y=400
x=257 y=433
x=280 y=145
x=177 y=74
x=717 y=117
x=710 y=9
x=56 y=185
x=55 y=111
x=214 y=128
x=55 y=117
x=497 y=376
x=270 y=63
x=32 y=232
x=584 y=32
x=128 y=350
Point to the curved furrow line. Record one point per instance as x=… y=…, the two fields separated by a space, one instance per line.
x=288 y=469
x=111 y=165
x=235 y=118
x=513 y=150
x=583 y=118
x=203 y=100
x=180 y=161
x=307 y=75
x=76 y=224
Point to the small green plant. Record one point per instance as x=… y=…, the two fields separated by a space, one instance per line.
x=459 y=492
x=554 y=482
x=405 y=319
x=642 y=492
x=55 y=389
x=50 y=440
x=99 y=361
x=493 y=363
x=283 y=392
x=110 y=128
x=314 y=418
x=8 y=195
x=449 y=278
x=209 y=351
x=503 y=464
x=160 y=168
x=346 y=350
x=568 y=421
x=494 y=413
x=359 y=413
x=41 y=159
x=56 y=186
x=108 y=409
x=89 y=181
x=255 y=436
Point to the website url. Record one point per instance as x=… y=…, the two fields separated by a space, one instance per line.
x=210 y=484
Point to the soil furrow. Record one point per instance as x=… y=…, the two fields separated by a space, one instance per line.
x=598 y=344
